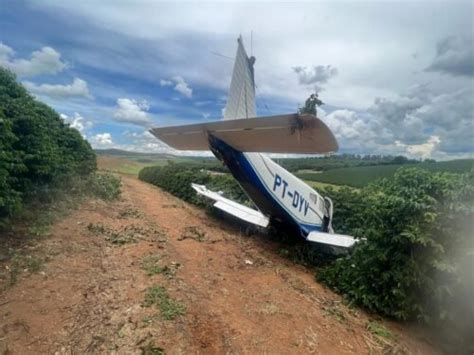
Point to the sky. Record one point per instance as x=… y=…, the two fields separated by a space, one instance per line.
x=395 y=77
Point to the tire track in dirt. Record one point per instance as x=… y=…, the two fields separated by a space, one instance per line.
x=240 y=295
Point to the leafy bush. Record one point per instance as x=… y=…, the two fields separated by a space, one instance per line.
x=418 y=230
x=177 y=179
x=38 y=149
x=104 y=185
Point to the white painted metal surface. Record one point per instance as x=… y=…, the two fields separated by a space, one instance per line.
x=299 y=200
x=241 y=97
x=240 y=211
x=338 y=240
x=304 y=134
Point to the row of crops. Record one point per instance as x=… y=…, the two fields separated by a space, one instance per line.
x=363 y=175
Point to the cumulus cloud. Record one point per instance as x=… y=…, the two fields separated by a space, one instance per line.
x=45 y=61
x=132 y=111
x=414 y=118
x=78 y=88
x=101 y=140
x=78 y=122
x=423 y=150
x=315 y=76
x=164 y=82
x=180 y=85
x=146 y=142
x=454 y=56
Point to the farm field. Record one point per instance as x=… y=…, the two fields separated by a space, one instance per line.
x=361 y=176
x=149 y=273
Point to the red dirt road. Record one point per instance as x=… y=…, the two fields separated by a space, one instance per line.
x=240 y=295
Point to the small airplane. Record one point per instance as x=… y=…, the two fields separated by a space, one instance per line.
x=283 y=200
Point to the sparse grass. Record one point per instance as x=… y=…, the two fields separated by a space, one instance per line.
x=169 y=308
x=24 y=263
x=269 y=309
x=333 y=308
x=96 y=228
x=151 y=349
x=382 y=335
x=193 y=232
x=151 y=265
x=128 y=234
x=130 y=212
x=147 y=320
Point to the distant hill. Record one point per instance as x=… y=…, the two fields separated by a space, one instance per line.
x=156 y=158
x=128 y=154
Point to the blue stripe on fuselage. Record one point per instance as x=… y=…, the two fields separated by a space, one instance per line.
x=248 y=178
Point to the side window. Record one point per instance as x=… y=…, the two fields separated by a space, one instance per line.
x=321 y=202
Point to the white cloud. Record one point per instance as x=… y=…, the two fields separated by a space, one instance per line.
x=78 y=122
x=372 y=60
x=182 y=86
x=146 y=142
x=315 y=76
x=101 y=140
x=45 y=61
x=424 y=150
x=78 y=88
x=132 y=111
x=164 y=82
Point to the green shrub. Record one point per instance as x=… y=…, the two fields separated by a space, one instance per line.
x=418 y=230
x=38 y=150
x=104 y=185
x=177 y=180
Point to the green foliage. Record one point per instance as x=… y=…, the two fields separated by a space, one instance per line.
x=169 y=308
x=418 y=230
x=37 y=149
x=104 y=185
x=330 y=162
x=177 y=179
x=360 y=176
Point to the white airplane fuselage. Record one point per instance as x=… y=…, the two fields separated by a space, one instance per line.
x=278 y=194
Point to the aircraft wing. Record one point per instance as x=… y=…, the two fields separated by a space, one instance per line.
x=294 y=133
x=236 y=209
x=337 y=240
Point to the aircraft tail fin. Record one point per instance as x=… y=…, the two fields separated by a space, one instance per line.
x=241 y=98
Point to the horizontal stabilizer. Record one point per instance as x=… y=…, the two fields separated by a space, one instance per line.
x=337 y=240
x=236 y=209
x=304 y=134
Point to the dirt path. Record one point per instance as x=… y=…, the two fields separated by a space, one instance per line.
x=240 y=295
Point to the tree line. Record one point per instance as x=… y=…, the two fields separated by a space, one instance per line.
x=38 y=150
